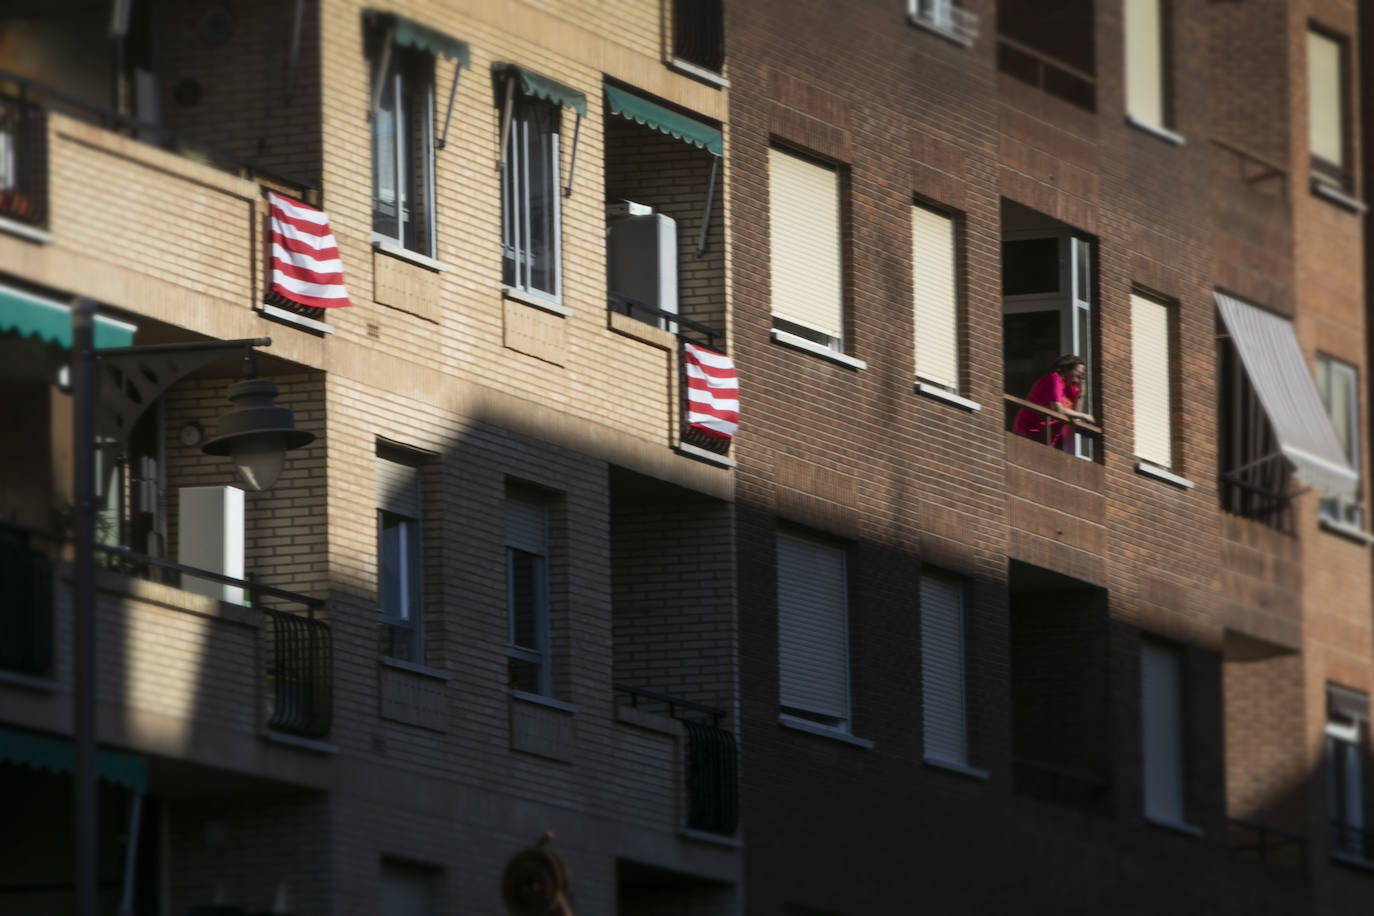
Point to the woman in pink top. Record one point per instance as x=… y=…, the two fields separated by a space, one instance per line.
x=1061 y=388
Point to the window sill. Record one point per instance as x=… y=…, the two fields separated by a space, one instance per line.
x=405 y=254
x=25 y=231
x=825 y=731
x=27 y=681
x=715 y=839
x=1339 y=198
x=539 y=302
x=701 y=73
x=949 y=397
x=1353 y=861
x=1159 y=473
x=962 y=769
x=1154 y=130
x=963 y=41
x=1175 y=826
x=1345 y=530
x=305 y=744
x=300 y=321
x=540 y=700
x=815 y=349
x=701 y=454
x=414 y=668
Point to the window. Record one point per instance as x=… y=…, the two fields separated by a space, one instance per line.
x=1347 y=722
x=399 y=556
x=699 y=34
x=1161 y=731
x=1151 y=365
x=1326 y=110
x=1145 y=61
x=946 y=17
x=403 y=147
x=936 y=293
x=407 y=890
x=1338 y=384
x=943 y=710
x=813 y=631
x=804 y=221
x=527 y=593
x=530 y=199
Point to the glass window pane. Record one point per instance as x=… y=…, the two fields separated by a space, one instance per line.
x=524 y=598
x=1030 y=266
x=385 y=180
x=543 y=203
x=392 y=571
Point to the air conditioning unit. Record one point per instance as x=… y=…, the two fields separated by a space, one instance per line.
x=641 y=262
x=210 y=537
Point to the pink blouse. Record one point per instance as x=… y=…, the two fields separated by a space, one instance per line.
x=1050 y=391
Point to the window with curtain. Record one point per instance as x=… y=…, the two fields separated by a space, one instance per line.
x=403 y=148
x=1145 y=61
x=935 y=290
x=527 y=593
x=1151 y=374
x=943 y=695
x=813 y=630
x=806 y=273
x=1326 y=109
x=530 y=200
x=399 y=556
x=1161 y=731
x=1338 y=383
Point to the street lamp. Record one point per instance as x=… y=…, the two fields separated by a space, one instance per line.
x=256 y=433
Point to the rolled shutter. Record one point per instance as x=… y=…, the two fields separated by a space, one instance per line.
x=398 y=487
x=936 y=297
x=1144 y=62
x=526 y=524
x=804 y=228
x=813 y=628
x=1154 y=441
x=1161 y=705
x=942 y=668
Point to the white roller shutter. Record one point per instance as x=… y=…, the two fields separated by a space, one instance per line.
x=942 y=668
x=526 y=524
x=398 y=487
x=804 y=228
x=813 y=628
x=1144 y=61
x=936 y=297
x=1161 y=718
x=1324 y=114
x=1154 y=439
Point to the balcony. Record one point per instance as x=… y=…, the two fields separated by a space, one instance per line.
x=1050 y=47
x=1268 y=845
x=698 y=36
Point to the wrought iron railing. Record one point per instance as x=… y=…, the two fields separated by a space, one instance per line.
x=300 y=670
x=1047 y=782
x=712 y=759
x=1045 y=72
x=28 y=92
x=23 y=162
x=1351 y=841
x=699 y=33
x=26 y=601
x=1259 y=503
x=1270 y=845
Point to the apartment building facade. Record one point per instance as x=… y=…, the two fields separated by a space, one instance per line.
x=493 y=598
x=980 y=673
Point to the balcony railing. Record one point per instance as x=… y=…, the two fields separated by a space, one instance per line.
x=1352 y=842
x=1270 y=845
x=300 y=668
x=1014 y=405
x=685 y=328
x=699 y=33
x=1047 y=73
x=26 y=602
x=712 y=759
x=23 y=175
x=1047 y=782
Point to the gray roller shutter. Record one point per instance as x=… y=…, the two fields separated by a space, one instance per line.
x=813 y=628
x=942 y=668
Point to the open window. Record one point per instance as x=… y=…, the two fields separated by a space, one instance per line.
x=1048 y=294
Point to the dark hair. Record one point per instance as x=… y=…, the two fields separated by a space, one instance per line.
x=1067 y=363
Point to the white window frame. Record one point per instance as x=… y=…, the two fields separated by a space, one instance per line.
x=840 y=723
x=540 y=654
x=402 y=67
x=1329 y=369
x=515 y=214
x=944 y=17
x=409 y=616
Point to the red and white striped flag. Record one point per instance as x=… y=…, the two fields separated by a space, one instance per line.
x=305 y=258
x=712 y=392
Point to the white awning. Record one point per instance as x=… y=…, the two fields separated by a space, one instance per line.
x=1274 y=362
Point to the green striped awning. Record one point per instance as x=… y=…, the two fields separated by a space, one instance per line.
x=642 y=111
x=31 y=315
x=58 y=755
x=407 y=33
x=541 y=87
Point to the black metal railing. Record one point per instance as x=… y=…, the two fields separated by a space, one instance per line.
x=300 y=670
x=23 y=162
x=1352 y=841
x=33 y=93
x=1253 y=501
x=1270 y=845
x=712 y=759
x=1046 y=72
x=699 y=33
x=685 y=328
x=1047 y=782
x=26 y=601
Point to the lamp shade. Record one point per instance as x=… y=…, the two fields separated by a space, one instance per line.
x=256 y=433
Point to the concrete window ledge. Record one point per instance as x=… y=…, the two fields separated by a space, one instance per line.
x=405 y=254
x=25 y=231
x=305 y=744
x=701 y=73
x=1159 y=473
x=715 y=839
x=797 y=342
x=1345 y=530
x=949 y=397
x=1352 y=861
x=539 y=302
x=825 y=731
x=1175 y=826
x=27 y=682
x=1339 y=198
x=286 y=316
x=1154 y=130
x=962 y=769
x=414 y=668
x=701 y=454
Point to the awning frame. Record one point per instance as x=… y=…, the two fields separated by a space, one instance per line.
x=411 y=34
x=549 y=90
